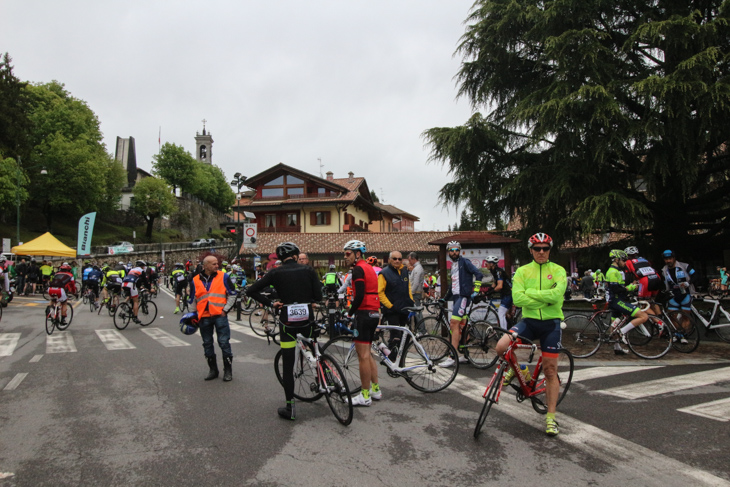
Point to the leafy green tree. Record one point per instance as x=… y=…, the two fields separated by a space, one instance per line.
x=8 y=185
x=212 y=187
x=67 y=142
x=14 y=106
x=602 y=116
x=374 y=196
x=153 y=198
x=176 y=166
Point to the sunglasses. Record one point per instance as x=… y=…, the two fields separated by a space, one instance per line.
x=397 y=258
x=541 y=249
x=348 y=253
x=454 y=250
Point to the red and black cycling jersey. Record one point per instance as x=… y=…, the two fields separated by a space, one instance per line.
x=365 y=288
x=640 y=267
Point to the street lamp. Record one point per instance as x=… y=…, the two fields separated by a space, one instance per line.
x=238 y=182
x=17 y=194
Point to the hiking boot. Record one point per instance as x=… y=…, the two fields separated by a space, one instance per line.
x=227 y=369
x=213 y=365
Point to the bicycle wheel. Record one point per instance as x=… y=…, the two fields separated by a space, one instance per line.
x=582 y=336
x=652 y=339
x=337 y=393
x=69 y=317
x=422 y=376
x=263 y=323
x=85 y=298
x=92 y=301
x=184 y=305
x=342 y=349
x=147 y=312
x=686 y=336
x=50 y=320
x=306 y=387
x=490 y=397
x=480 y=344
x=565 y=376
x=723 y=331
x=433 y=326
x=122 y=316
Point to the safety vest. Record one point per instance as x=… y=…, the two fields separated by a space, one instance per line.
x=210 y=302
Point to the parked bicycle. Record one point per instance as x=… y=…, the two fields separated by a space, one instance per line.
x=712 y=320
x=526 y=387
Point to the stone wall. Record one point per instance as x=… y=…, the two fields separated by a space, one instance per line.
x=194 y=218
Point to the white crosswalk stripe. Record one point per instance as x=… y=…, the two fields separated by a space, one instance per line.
x=164 y=338
x=8 y=342
x=114 y=340
x=15 y=381
x=667 y=385
x=599 y=372
x=60 y=342
x=718 y=410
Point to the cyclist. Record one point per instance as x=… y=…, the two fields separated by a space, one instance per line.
x=94 y=278
x=616 y=296
x=152 y=276
x=60 y=286
x=679 y=278
x=112 y=284
x=366 y=309
x=463 y=272
x=180 y=282
x=649 y=281
x=46 y=273
x=373 y=261
x=599 y=278
x=539 y=289
x=503 y=285
x=297 y=286
x=132 y=282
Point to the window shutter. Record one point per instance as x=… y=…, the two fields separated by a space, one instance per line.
x=327 y=217
x=313 y=218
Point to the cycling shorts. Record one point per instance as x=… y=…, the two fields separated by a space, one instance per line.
x=506 y=301
x=366 y=322
x=685 y=303
x=130 y=289
x=94 y=286
x=59 y=293
x=547 y=331
x=288 y=335
x=649 y=286
x=459 y=309
x=622 y=308
x=180 y=287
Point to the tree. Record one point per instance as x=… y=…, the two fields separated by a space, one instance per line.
x=153 y=198
x=604 y=116
x=212 y=187
x=10 y=192
x=176 y=166
x=67 y=143
x=14 y=106
x=374 y=196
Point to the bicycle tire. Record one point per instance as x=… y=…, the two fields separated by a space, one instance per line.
x=582 y=336
x=147 y=313
x=490 y=398
x=652 y=341
x=689 y=332
x=337 y=392
x=433 y=378
x=433 y=326
x=1 y=313
x=92 y=301
x=50 y=321
x=492 y=318
x=343 y=351
x=69 y=317
x=122 y=316
x=258 y=324
x=723 y=332
x=46 y=296
x=85 y=298
x=565 y=376
x=306 y=387
x=480 y=345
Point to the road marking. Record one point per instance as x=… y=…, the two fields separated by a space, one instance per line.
x=61 y=342
x=113 y=340
x=718 y=410
x=36 y=358
x=233 y=340
x=645 y=466
x=164 y=338
x=607 y=371
x=15 y=382
x=243 y=329
x=669 y=384
x=8 y=342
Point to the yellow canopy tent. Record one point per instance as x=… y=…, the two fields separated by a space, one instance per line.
x=46 y=244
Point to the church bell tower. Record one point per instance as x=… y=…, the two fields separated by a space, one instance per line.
x=204 y=146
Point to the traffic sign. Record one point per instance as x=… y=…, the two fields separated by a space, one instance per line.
x=250 y=235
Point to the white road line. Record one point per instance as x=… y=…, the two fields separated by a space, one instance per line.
x=15 y=382
x=8 y=342
x=114 y=340
x=60 y=342
x=607 y=371
x=645 y=466
x=246 y=330
x=36 y=358
x=233 y=340
x=164 y=338
x=718 y=410
x=670 y=384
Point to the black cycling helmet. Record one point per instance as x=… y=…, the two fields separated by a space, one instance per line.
x=286 y=250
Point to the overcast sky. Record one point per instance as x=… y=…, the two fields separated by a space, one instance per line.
x=353 y=83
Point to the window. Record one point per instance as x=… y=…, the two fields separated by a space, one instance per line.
x=272 y=192
x=321 y=191
x=292 y=219
x=276 y=182
x=319 y=218
x=270 y=221
x=291 y=180
x=203 y=152
x=299 y=190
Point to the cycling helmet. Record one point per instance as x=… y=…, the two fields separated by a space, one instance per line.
x=64 y=267
x=180 y=265
x=493 y=259
x=372 y=260
x=453 y=245
x=540 y=238
x=189 y=323
x=96 y=267
x=667 y=253
x=355 y=245
x=225 y=262
x=631 y=250
x=286 y=250
x=140 y=263
x=332 y=267
x=618 y=254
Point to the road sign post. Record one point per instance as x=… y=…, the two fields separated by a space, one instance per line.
x=250 y=235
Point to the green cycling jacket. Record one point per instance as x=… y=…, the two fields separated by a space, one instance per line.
x=540 y=290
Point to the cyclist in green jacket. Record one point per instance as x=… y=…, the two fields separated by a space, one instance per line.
x=539 y=289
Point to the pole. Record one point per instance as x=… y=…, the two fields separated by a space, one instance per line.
x=17 y=202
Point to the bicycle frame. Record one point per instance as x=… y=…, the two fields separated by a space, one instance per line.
x=525 y=389
x=387 y=362
x=300 y=349
x=709 y=324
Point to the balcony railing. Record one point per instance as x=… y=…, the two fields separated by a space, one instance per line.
x=286 y=229
x=295 y=197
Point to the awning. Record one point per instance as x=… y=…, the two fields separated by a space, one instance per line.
x=46 y=244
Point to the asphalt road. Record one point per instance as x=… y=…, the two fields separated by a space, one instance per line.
x=141 y=414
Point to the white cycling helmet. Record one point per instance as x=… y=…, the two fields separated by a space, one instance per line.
x=492 y=259
x=631 y=250
x=453 y=245
x=355 y=245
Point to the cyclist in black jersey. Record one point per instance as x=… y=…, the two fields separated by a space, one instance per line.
x=297 y=286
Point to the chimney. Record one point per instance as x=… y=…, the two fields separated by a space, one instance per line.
x=351 y=176
x=330 y=176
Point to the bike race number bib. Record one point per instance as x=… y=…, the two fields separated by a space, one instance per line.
x=297 y=312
